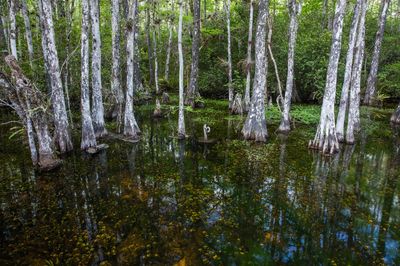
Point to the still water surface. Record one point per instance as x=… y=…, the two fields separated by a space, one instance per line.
x=163 y=201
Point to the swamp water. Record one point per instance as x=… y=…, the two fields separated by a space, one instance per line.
x=165 y=202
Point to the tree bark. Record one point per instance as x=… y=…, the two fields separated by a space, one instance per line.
x=13 y=29
x=29 y=104
x=115 y=80
x=149 y=48
x=97 y=94
x=395 y=119
x=246 y=104
x=155 y=60
x=348 y=73
x=62 y=132
x=373 y=73
x=353 y=123
x=168 y=59
x=131 y=128
x=181 y=118
x=5 y=32
x=28 y=31
x=228 y=25
x=294 y=11
x=255 y=126
x=194 y=74
x=325 y=138
x=88 y=136
x=136 y=62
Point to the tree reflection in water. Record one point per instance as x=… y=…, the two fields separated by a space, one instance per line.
x=162 y=201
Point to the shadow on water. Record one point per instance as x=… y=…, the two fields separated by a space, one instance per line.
x=163 y=201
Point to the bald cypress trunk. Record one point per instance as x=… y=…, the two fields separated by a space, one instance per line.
x=181 y=118
x=13 y=29
x=353 y=123
x=325 y=138
x=255 y=126
x=194 y=74
x=29 y=104
x=28 y=31
x=395 y=119
x=373 y=72
x=228 y=25
x=155 y=60
x=149 y=46
x=131 y=128
x=88 y=136
x=294 y=11
x=115 y=80
x=246 y=104
x=348 y=72
x=3 y=24
x=136 y=62
x=168 y=58
x=97 y=94
x=62 y=132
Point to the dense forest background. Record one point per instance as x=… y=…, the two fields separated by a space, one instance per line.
x=311 y=54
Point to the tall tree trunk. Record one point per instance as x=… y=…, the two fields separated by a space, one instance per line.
x=294 y=11
x=5 y=32
x=115 y=81
x=194 y=74
x=228 y=25
x=149 y=46
x=29 y=104
x=66 y=73
x=88 y=136
x=136 y=62
x=28 y=32
x=348 y=73
x=181 y=118
x=373 y=73
x=170 y=27
x=325 y=138
x=353 y=123
x=395 y=119
x=155 y=61
x=131 y=128
x=248 y=63
x=13 y=29
x=167 y=60
x=97 y=94
x=255 y=126
x=62 y=132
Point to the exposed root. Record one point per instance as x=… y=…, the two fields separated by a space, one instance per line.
x=325 y=141
x=157 y=112
x=165 y=98
x=237 y=107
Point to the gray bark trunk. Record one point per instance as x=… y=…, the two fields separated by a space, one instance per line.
x=255 y=126
x=97 y=94
x=348 y=73
x=353 y=123
x=136 y=62
x=181 y=118
x=294 y=11
x=325 y=138
x=395 y=119
x=88 y=136
x=228 y=25
x=5 y=32
x=131 y=128
x=149 y=48
x=373 y=73
x=155 y=61
x=194 y=74
x=115 y=81
x=246 y=104
x=167 y=60
x=30 y=106
x=13 y=29
x=28 y=31
x=62 y=132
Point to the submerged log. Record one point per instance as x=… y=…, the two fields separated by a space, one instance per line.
x=123 y=138
x=97 y=149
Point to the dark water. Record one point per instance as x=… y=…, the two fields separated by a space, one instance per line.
x=164 y=201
